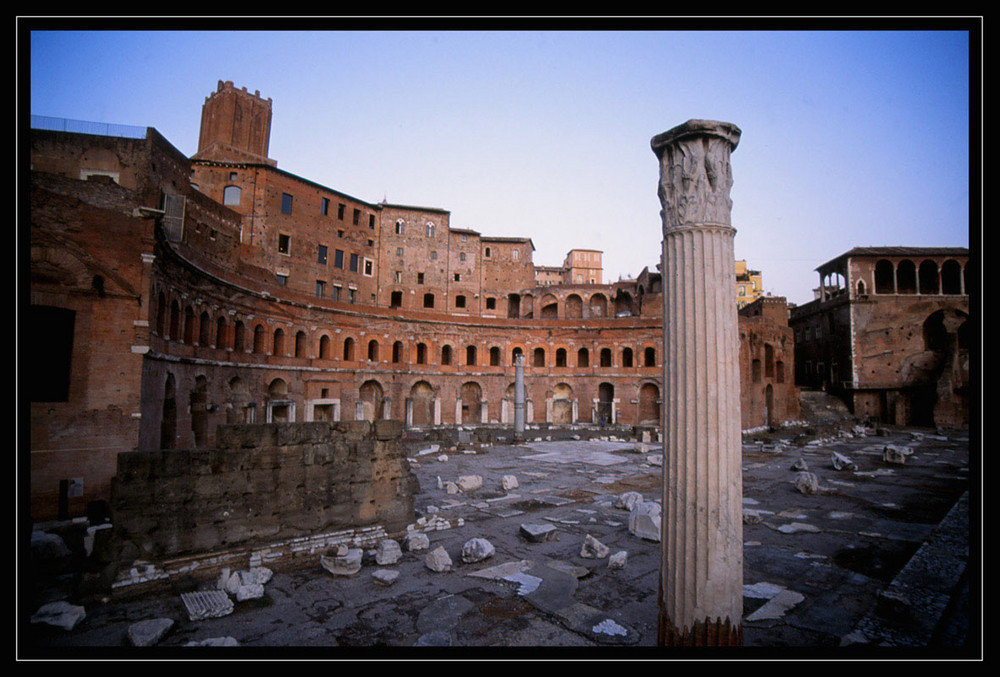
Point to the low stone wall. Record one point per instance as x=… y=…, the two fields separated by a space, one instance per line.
x=263 y=483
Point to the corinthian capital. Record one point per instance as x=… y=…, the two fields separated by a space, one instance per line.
x=695 y=174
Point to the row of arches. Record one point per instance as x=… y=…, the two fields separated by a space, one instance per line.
x=189 y=327
x=572 y=305
x=927 y=277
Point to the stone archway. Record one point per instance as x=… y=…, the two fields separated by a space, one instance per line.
x=562 y=404
x=422 y=404
x=649 y=404
x=372 y=398
x=472 y=402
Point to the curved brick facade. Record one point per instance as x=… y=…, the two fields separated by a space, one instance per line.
x=222 y=289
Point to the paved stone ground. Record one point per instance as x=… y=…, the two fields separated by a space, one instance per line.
x=873 y=564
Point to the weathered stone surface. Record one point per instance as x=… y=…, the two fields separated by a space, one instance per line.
x=618 y=560
x=841 y=462
x=148 y=633
x=800 y=465
x=476 y=550
x=806 y=483
x=215 y=641
x=207 y=604
x=593 y=548
x=895 y=454
x=438 y=560
x=751 y=516
x=644 y=520
x=509 y=482
x=346 y=564
x=388 y=552
x=416 y=540
x=537 y=533
x=385 y=576
x=628 y=500
x=469 y=482
x=60 y=614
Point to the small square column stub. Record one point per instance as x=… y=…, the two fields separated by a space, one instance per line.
x=701 y=557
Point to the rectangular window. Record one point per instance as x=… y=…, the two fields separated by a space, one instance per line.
x=354 y=263
x=514 y=254
x=458 y=277
x=434 y=256
x=352 y=295
x=338 y=259
x=357 y=216
x=340 y=212
x=324 y=206
x=335 y=292
x=399 y=251
x=286 y=203
x=420 y=278
x=320 y=289
x=284 y=243
x=399 y=277
x=459 y=301
x=491 y=304
x=49 y=351
x=282 y=279
x=321 y=255
x=461 y=256
x=369 y=267
x=371 y=222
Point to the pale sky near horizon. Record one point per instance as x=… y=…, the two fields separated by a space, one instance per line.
x=850 y=138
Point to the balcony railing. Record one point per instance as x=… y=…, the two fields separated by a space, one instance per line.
x=84 y=127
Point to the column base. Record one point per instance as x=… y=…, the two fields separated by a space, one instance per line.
x=707 y=633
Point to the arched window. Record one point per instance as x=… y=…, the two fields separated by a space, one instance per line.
x=605 y=357
x=220 y=332
x=583 y=357
x=768 y=360
x=494 y=356
x=204 y=329
x=649 y=357
x=348 y=349
x=258 y=339
x=885 y=277
x=539 y=357
x=951 y=277
x=560 y=357
x=906 y=277
x=231 y=196
x=421 y=353
x=300 y=344
x=470 y=355
x=373 y=351
x=446 y=354
x=626 y=357
x=279 y=342
x=928 y=277
x=397 y=352
x=239 y=340
x=324 y=347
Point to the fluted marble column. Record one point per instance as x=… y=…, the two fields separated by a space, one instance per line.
x=701 y=577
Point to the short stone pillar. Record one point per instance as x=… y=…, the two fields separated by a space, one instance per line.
x=519 y=397
x=701 y=577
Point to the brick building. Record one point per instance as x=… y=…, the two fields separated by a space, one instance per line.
x=889 y=331
x=170 y=295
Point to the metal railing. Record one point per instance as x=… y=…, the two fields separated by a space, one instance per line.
x=84 y=127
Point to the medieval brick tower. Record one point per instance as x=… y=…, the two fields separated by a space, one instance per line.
x=235 y=126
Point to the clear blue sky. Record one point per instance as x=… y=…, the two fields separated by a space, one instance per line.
x=849 y=138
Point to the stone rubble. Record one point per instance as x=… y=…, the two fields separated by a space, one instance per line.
x=60 y=614
x=618 y=560
x=438 y=560
x=345 y=562
x=593 y=548
x=204 y=604
x=895 y=454
x=388 y=552
x=807 y=483
x=476 y=550
x=841 y=462
x=538 y=533
x=644 y=520
x=149 y=632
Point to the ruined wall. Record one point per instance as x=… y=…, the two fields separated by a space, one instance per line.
x=263 y=483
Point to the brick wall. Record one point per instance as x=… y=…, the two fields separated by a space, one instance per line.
x=261 y=484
